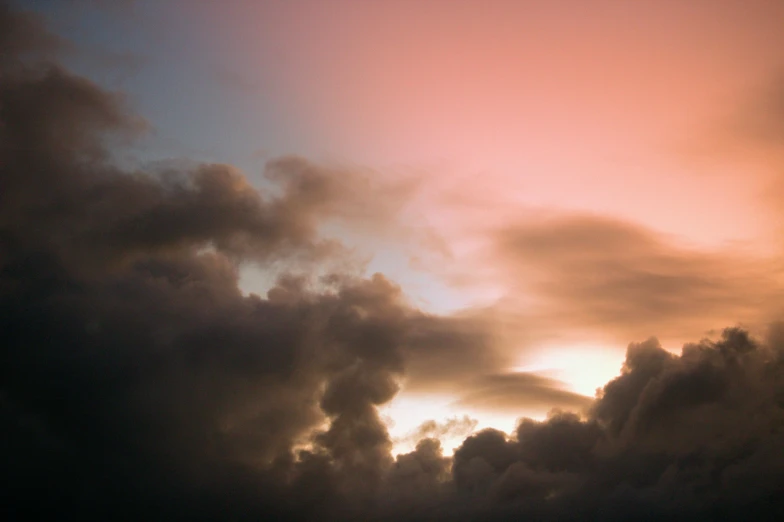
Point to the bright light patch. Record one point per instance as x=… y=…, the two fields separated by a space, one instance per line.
x=405 y=414
x=583 y=368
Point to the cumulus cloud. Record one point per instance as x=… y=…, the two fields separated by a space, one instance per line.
x=138 y=382
x=129 y=349
x=665 y=439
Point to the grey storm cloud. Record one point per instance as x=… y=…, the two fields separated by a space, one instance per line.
x=138 y=382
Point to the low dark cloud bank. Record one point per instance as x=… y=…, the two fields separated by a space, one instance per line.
x=138 y=383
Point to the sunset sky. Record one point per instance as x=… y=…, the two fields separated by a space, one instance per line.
x=246 y=215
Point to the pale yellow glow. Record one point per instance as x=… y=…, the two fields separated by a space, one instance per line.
x=407 y=412
x=582 y=368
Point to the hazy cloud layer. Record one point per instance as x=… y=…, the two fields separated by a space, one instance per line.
x=759 y=127
x=749 y=136
x=138 y=382
x=762 y=119
x=606 y=275
x=516 y=391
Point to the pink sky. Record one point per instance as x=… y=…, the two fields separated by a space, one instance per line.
x=509 y=111
x=561 y=105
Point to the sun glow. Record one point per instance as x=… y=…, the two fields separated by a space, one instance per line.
x=583 y=368
x=406 y=413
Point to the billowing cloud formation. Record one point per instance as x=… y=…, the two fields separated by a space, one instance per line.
x=673 y=436
x=138 y=382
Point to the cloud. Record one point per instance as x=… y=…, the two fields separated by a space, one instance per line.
x=455 y=427
x=759 y=127
x=667 y=437
x=135 y=373
x=23 y=34
x=608 y=275
x=467 y=356
x=750 y=129
x=137 y=381
x=519 y=392
x=449 y=350
x=749 y=138
x=761 y=119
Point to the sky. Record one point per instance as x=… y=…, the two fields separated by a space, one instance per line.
x=392 y=260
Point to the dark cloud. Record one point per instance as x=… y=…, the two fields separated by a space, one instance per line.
x=22 y=34
x=664 y=439
x=138 y=382
x=603 y=274
x=136 y=376
x=467 y=356
x=452 y=349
